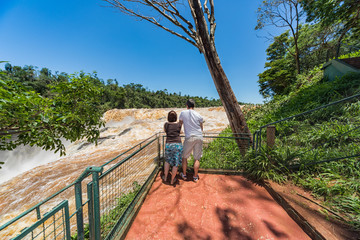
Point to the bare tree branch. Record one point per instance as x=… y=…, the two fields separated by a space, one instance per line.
x=117 y=4
x=211 y=18
x=203 y=38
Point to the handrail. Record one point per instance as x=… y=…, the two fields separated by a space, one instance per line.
x=139 y=144
x=85 y=174
x=257 y=133
x=126 y=159
x=93 y=201
x=312 y=110
x=323 y=161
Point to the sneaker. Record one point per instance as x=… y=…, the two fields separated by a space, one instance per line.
x=196 y=179
x=183 y=176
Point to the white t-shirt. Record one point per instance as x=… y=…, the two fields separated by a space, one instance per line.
x=191 y=121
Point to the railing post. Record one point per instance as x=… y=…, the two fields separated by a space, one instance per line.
x=259 y=139
x=163 y=142
x=159 y=149
x=96 y=202
x=91 y=211
x=270 y=136
x=79 y=213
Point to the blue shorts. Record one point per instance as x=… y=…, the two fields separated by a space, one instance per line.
x=173 y=153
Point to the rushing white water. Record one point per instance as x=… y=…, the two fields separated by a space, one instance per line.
x=26 y=180
x=24 y=158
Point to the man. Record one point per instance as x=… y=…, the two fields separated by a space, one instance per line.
x=193 y=128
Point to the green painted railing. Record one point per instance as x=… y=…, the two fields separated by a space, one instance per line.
x=55 y=225
x=288 y=128
x=103 y=199
x=107 y=185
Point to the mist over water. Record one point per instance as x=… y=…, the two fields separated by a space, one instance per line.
x=31 y=174
x=24 y=158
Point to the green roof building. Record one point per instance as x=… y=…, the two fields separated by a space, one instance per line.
x=339 y=67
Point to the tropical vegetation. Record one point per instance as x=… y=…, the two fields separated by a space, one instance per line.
x=319 y=150
x=38 y=107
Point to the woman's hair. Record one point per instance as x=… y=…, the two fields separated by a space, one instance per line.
x=172 y=116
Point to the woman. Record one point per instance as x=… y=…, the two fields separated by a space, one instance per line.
x=173 y=146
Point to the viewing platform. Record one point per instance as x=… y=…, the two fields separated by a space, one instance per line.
x=216 y=207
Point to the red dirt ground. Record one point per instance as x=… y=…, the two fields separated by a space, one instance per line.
x=217 y=207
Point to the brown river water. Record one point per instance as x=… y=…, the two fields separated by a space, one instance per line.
x=30 y=178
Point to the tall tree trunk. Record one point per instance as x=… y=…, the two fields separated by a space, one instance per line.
x=338 y=44
x=297 y=60
x=235 y=115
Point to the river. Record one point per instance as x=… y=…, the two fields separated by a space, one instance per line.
x=30 y=175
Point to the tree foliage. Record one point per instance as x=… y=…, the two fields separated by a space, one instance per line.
x=39 y=108
x=280 y=69
x=317 y=43
x=71 y=111
x=345 y=13
x=137 y=96
x=329 y=12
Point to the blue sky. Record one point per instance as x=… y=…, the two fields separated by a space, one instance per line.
x=84 y=35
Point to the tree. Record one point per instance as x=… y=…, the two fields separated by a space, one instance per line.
x=199 y=32
x=28 y=118
x=283 y=14
x=280 y=70
x=330 y=12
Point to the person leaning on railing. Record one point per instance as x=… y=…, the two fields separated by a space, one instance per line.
x=173 y=147
x=193 y=128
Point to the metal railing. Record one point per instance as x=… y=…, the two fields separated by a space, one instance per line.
x=102 y=201
x=103 y=188
x=55 y=225
x=288 y=132
x=227 y=143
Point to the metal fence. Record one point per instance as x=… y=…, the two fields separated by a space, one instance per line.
x=54 y=225
x=101 y=203
x=221 y=151
x=95 y=206
x=315 y=136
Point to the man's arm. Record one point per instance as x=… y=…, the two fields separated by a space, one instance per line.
x=202 y=126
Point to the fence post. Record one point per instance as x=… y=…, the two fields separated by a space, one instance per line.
x=91 y=211
x=270 y=136
x=79 y=213
x=96 y=202
x=159 y=150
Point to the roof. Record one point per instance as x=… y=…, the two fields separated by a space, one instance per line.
x=354 y=62
x=350 y=62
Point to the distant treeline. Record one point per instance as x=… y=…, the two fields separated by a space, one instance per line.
x=114 y=96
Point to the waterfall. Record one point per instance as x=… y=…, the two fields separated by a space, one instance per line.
x=31 y=174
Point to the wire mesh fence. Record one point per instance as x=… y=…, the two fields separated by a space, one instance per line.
x=119 y=185
x=54 y=225
x=52 y=228
x=111 y=190
x=221 y=151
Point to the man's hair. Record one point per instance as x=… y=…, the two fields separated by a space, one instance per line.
x=190 y=103
x=172 y=116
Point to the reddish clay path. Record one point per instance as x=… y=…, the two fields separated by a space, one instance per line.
x=217 y=207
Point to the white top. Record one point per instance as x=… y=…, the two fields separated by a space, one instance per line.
x=191 y=121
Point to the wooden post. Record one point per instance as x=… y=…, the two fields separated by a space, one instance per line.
x=270 y=136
